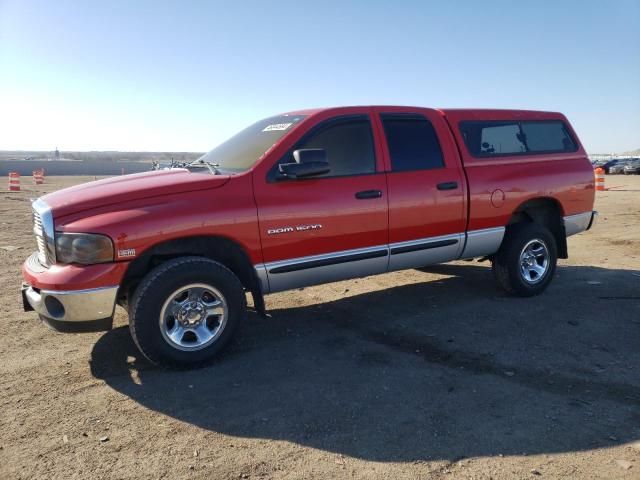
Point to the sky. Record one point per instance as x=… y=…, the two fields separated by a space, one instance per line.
x=185 y=75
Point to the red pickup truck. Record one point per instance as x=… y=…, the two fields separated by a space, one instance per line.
x=305 y=198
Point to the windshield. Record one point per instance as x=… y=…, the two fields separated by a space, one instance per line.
x=245 y=148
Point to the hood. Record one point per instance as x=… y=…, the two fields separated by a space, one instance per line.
x=126 y=188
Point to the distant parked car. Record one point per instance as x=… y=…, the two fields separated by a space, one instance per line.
x=633 y=167
x=608 y=164
x=618 y=168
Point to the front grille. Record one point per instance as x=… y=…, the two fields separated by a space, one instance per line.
x=40 y=241
x=37 y=220
x=40 y=226
x=42 y=250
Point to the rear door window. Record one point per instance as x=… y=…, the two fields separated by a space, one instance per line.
x=413 y=142
x=498 y=138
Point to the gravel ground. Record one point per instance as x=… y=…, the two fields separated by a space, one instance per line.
x=423 y=374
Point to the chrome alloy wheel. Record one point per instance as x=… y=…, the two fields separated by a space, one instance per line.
x=193 y=317
x=534 y=261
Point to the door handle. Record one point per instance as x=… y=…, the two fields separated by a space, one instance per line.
x=365 y=194
x=448 y=186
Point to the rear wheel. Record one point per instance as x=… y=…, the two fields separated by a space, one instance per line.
x=185 y=311
x=526 y=261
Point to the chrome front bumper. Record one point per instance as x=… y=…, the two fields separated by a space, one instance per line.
x=72 y=305
x=579 y=223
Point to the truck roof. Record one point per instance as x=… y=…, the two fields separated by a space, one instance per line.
x=454 y=113
x=499 y=114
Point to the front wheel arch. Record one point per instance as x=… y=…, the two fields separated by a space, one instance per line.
x=218 y=248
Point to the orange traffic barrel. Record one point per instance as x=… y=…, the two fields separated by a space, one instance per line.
x=599 y=179
x=38 y=177
x=14 y=182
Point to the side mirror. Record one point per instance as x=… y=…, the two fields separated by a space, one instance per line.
x=308 y=163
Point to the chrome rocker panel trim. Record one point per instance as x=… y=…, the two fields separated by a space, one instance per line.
x=79 y=305
x=424 y=251
x=483 y=242
x=581 y=222
x=329 y=267
x=316 y=269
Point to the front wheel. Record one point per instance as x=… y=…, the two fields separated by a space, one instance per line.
x=526 y=261
x=185 y=311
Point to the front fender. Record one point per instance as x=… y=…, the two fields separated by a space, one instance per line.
x=139 y=225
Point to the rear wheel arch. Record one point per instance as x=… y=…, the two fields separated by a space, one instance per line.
x=220 y=249
x=546 y=211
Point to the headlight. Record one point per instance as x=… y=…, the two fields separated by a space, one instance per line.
x=84 y=248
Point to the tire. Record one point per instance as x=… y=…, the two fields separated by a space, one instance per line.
x=185 y=311
x=513 y=266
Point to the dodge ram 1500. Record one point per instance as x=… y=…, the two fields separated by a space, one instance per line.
x=305 y=198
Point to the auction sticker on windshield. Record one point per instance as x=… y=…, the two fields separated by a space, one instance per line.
x=276 y=126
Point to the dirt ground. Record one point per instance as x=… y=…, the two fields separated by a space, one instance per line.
x=422 y=374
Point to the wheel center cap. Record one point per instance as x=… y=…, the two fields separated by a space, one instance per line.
x=529 y=260
x=191 y=313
